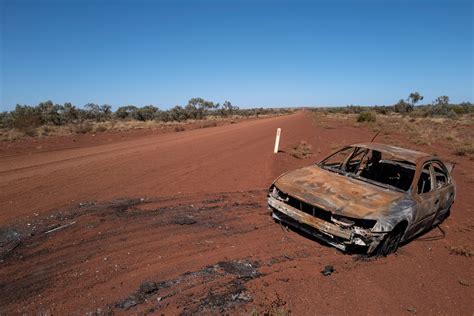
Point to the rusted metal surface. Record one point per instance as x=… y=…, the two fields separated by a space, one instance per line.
x=337 y=193
x=317 y=223
x=401 y=153
x=349 y=200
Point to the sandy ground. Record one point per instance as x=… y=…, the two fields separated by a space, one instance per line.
x=177 y=223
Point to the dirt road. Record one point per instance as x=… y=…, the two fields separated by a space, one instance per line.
x=177 y=224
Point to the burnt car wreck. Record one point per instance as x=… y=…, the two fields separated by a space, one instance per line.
x=368 y=195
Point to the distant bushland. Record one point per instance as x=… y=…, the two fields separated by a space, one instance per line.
x=48 y=116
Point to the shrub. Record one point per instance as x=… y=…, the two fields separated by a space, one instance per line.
x=464 y=150
x=301 y=150
x=30 y=131
x=82 y=128
x=26 y=118
x=146 y=113
x=101 y=128
x=208 y=124
x=366 y=117
x=403 y=107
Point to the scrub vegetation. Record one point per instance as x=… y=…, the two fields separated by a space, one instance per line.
x=438 y=123
x=48 y=118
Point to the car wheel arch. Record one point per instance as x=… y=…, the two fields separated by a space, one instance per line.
x=402 y=226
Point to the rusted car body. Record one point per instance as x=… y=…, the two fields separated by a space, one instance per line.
x=367 y=195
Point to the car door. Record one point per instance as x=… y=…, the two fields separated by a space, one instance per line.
x=427 y=198
x=445 y=188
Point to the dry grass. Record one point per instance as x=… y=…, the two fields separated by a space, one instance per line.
x=301 y=151
x=461 y=251
x=455 y=134
x=466 y=149
x=100 y=127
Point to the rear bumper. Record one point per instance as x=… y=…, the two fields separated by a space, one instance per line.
x=330 y=233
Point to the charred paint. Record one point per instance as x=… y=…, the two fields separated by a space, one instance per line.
x=349 y=197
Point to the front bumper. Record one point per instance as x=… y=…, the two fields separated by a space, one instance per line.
x=333 y=234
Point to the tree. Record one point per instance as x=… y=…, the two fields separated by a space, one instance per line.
x=228 y=109
x=70 y=113
x=441 y=100
x=98 y=113
x=178 y=114
x=146 y=113
x=105 y=112
x=26 y=118
x=414 y=98
x=125 y=112
x=6 y=119
x=50 y=113
x=92 y=111
x=441 y=107
x=197 y=108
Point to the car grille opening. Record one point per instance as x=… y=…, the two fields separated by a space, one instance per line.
x=321 y=213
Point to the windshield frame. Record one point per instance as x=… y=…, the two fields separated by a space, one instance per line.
x=342 y=171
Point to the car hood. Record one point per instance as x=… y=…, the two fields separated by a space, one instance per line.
x=337 y=193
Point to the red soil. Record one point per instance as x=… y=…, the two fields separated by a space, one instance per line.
x=177 y=223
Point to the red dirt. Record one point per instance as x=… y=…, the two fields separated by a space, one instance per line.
x=177 y=223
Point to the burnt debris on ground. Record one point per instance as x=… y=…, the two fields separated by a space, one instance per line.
x=225 y=281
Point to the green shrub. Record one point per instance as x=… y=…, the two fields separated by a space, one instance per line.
x=366 y=117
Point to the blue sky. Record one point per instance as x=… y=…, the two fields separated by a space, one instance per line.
x=252 y=53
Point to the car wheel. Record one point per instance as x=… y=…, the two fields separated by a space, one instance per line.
x=391 y=242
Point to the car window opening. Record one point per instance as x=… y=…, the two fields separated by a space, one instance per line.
x=372 y=166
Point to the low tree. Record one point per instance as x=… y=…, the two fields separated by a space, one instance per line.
x=105 y=112
x=177 y=113
x=70 y=113
x=414 y=98
x=50 y=113
x=197 y=108
x=228 y=109
x=146 y=113
x=92 y=111
x=441 y=100
x=6 y=119
x=26 y=118
x=125 y=112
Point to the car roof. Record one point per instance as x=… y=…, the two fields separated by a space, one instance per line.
x=409 y=155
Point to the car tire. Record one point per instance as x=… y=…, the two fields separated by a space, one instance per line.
x=391 y=242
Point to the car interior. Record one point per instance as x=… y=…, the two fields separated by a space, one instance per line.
x=375 y=166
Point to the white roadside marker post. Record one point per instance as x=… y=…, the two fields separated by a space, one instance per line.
x=277 y=141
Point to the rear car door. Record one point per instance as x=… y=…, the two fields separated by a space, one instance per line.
x=427 y=198
x=445 y=188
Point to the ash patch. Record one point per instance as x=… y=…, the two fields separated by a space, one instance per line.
x=221 y=297
x=242 y=269
x=10 y=239
x=146 y=290
x=184 y=220
x=119 y=207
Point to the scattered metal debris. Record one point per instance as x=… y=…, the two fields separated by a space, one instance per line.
x=411 y=310
x=60 y=227
x=328 y=270
x=464 y=282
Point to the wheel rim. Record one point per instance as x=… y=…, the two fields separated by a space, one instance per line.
x=392 y=243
